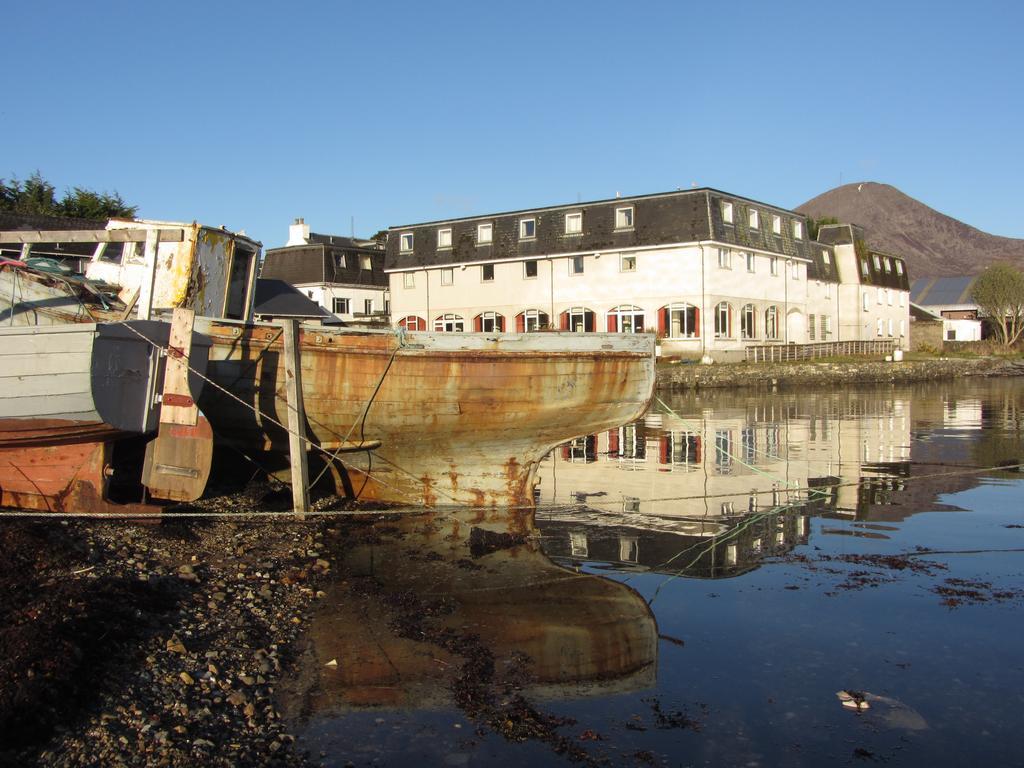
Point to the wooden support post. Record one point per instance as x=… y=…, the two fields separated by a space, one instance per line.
x=296 y=418
x=149 y=274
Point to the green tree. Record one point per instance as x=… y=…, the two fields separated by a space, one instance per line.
x=86 y=204
x=999 y=294
x=37 y=197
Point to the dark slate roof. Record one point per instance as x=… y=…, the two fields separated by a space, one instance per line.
x=340 y=241
x=669 y=217
x=822 y=265
x=840 y=234
x=20 y=221
x=14 y=221
x=942 y=291
x=851 y=234
x=322 y=263
x=276 y=298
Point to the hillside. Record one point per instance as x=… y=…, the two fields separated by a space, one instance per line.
x=932 y=243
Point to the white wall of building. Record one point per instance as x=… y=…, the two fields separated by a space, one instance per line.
x=325 y=295
x=662 y=276
x=961 y=330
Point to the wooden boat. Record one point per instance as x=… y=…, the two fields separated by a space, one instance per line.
x=93 y=416
x=414 y=418
x=426 y=418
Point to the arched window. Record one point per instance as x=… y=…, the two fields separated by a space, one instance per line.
x=748 y=322
x=489 y=322
x=579 y=319
x=449 y=323
x=531 y=320
x=771 y=323
x=413 y=323
x=679 y=321
x=626 y=319
x=723 y=320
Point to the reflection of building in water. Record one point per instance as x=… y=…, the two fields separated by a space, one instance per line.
x=697 y=548
x=741 y=455
x=962 y=413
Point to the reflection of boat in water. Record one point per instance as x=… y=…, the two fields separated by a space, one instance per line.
x=431 y=596
x=412 y=418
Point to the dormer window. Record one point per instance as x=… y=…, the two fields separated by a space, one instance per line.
x=574 y=223
x=899 y=267
x=777 y=224
x=826 y=257
x=365 y=263
x=405 y=242
x=887 y=263
x=444 y=238
x=624 y=218
x=877 y=262
x=798 y=230
x=527 y=229
x=752 y=219
x=484 y=234
x=727 y=213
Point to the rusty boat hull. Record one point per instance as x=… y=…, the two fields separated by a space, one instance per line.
x=425 y=418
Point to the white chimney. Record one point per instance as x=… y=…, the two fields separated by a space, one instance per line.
x=298 y=233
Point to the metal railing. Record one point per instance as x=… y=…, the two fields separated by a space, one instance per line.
x=774 y=353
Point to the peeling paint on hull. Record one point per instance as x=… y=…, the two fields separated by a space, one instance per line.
x=461 y=418
x=60 y=466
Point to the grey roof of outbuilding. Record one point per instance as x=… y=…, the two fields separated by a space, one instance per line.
x=917 y=312
x=277 y=298
x=942 y=291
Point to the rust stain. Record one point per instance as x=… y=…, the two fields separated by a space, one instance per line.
x=428 y=405
x=61 y=478
x=429 y=497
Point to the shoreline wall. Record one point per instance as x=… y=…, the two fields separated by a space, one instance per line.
x=798 y=375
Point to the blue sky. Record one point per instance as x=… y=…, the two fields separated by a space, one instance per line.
x=249 y=115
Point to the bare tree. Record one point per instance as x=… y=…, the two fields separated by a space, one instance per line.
x=999 y=293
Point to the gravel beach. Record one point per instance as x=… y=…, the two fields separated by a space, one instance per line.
x=140 y=643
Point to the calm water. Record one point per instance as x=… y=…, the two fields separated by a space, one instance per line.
x=695 y=589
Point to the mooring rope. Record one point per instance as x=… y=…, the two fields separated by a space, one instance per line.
x=170 y=514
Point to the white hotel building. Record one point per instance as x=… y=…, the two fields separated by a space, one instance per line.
x=709 y=272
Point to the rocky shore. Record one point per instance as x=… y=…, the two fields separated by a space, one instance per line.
x=132 y=643
x=673 y=377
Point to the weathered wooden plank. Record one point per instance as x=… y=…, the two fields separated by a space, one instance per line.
x=176 y=372
x=76 y=406
x=51 y=340
x=90 y=236
x=18 y=365
x=59 y=384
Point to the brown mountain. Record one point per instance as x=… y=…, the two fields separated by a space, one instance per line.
x=932 y=243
